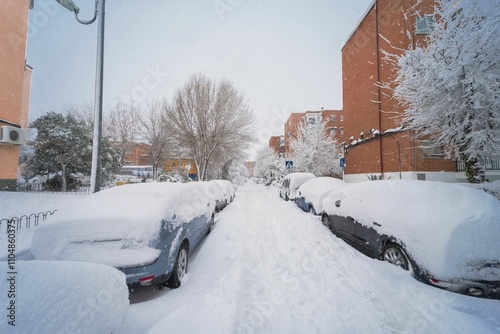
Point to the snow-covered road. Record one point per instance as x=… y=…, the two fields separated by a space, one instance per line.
x=268 y=267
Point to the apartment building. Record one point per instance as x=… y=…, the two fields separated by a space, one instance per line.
x=277 y=143
x=374 y=142
x=15 y=81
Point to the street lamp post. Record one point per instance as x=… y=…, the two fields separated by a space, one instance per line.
x=95 y=174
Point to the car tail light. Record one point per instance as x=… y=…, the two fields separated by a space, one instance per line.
x=440 y=283
x=146 y=280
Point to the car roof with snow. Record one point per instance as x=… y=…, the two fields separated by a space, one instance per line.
x=298 y=178
x=435 y=221
x=320 y=186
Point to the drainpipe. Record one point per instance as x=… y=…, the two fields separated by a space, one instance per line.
x=378 y=90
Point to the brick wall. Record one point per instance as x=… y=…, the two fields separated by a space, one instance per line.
x=13 y=33
x=369 y=108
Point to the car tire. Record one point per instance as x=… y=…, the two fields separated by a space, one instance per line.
x=286 y=197
x=326 y=221
x=180 y=268
x=311 y=210
x=396 y=255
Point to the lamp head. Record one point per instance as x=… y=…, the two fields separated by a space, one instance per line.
x=69 y=5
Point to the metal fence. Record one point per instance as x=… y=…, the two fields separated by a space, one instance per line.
x=28 y=220
x=489 y=165
x=38 y=188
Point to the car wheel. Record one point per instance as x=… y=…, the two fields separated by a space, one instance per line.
x=180 y=268
x=311 y=210
x=394 y=254
x=286 y=197
x=326 y=221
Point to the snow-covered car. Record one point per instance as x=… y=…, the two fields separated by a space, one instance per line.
x=310 y=195
x=145 y=230
x=445 y=234
x=223 y=192
x=292 y=182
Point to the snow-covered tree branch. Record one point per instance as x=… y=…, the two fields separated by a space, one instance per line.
x=314 y=151
x=451 y=88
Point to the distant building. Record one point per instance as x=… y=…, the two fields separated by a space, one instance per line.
x=15 y=82
x=250 y=165
x=185 y=165
x=334 y=125
x=277 y=143
x=138 y=155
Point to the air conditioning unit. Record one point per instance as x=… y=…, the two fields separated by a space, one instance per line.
x=11 y=135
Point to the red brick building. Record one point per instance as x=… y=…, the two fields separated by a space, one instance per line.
x=277 y=143
x=374 y=142
x=334 y=125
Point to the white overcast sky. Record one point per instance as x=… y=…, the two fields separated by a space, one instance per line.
x=284 y=55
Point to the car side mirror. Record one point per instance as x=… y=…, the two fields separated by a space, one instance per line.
x=337 y=203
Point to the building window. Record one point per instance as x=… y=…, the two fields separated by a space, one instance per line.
x=425 y=24
x=341 y=118
x=341 y=131
x=333 y=131
x=332 y=118
x=431 y=150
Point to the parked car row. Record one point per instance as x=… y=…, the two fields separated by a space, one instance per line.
x=445 y=234
x=223 y=192
x=146 y=230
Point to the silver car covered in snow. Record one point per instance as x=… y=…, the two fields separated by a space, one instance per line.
x=145 y=230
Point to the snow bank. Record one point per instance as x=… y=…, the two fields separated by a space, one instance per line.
x=23 y=205
x=64 y=297
x=315 y=190
x=449 y=229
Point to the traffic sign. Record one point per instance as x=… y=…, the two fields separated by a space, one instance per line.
x=288 y=164
x=342 y=162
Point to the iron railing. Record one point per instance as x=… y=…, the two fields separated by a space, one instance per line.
x=38 y=188
x=489 y=165
x=28 y=220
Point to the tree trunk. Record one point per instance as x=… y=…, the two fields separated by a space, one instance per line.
x=474 y=172
x=63 y=178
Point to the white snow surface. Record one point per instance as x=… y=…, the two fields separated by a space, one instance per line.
x=64 y=297
x=267 y=267
x=116 y=226
x=315 y=190
x=450 y=229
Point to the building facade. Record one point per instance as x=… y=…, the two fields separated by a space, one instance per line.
x=375 y=143
x=334 y=120
x=277 y=143
x=15 y=81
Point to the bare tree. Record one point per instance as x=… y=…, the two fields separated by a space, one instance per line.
x=212 y=119
x=153 y=132
x=83 y=112
x=122 y=127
